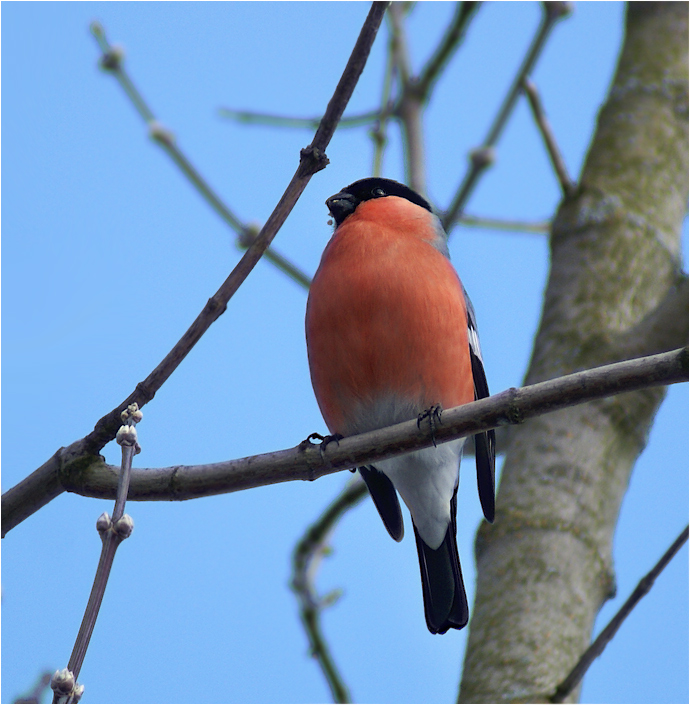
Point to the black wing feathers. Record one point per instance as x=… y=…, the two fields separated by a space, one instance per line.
x=386 y=500
x=484 y=443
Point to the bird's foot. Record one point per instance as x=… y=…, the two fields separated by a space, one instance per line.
x=433 y=415
x=324 y=441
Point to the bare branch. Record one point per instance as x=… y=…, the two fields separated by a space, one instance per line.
x=312 y=547
x=112 y=61
x=35 y=695
x=309 y=462
x=113 y=531
x=379 y=133
x=567 y=185
x=538 y=227
x=249 y=117
x=483 y=156
x=454 y=35
x=284 y=265
x=599 y=644
x=409 y=106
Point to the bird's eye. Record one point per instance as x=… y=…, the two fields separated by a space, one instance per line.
x=378 y=192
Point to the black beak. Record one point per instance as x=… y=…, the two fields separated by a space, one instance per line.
x=341 y=205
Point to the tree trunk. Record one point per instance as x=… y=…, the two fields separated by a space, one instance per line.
x=545 y=566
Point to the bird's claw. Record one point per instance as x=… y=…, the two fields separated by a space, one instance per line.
x=433 y=414
x=324 y=441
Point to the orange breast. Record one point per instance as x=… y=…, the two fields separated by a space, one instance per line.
x=386 y=314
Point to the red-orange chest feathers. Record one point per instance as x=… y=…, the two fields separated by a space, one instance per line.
x=386 y=316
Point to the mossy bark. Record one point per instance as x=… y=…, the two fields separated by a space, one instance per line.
x=545 y=565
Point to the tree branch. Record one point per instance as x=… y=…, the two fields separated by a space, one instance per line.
x=309 y=462
x=599 y=644
x=536 y=227
x=451 y=40
x=250 y=117
x=483 y=156
x=245 y=240
x=112 y=62
x=312 y=547
x=568 y=187
x=409 y=106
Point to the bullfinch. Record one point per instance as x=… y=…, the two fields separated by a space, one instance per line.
x=391 y=335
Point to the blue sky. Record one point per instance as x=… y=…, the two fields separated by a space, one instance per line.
x=109 y=254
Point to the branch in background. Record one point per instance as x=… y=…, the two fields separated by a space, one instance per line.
x=112 y=61
x=567 y=185
x=599 y=644
x=312 y=159
x=450 y=42
x=536 y=227
x=249 y=117
x=35 y=695
x=312 y=547
x=409 y=106
x=308 y=462
x=245 y=240
x=378 y=132
x=483 y=156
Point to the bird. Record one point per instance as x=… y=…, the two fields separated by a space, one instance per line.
x=392 y=335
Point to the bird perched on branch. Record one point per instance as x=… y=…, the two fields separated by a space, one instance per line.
x=391 y=335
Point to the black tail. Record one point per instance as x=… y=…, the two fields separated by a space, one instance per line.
x=445 y=601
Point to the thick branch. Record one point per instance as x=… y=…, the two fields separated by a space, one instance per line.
x=309 y=462
x=545 y=567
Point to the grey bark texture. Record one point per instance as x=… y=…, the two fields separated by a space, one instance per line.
x=615 y=291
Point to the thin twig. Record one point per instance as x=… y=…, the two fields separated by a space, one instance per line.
x=312 y=159
x=35 y=694
x=311 y=548
x=567 y=185
x=409 y=106
x=599 y=644
x=113 y=62
x=249 y=117
x=113 y=532
x=295 y=273
x=537 y=227
x=450 y=42
x=483 y=156
x=379 y=133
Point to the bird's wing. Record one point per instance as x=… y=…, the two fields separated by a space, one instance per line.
x=386 y=500
x=484 y=443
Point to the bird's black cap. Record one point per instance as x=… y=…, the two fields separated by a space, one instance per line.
x=344 y=202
